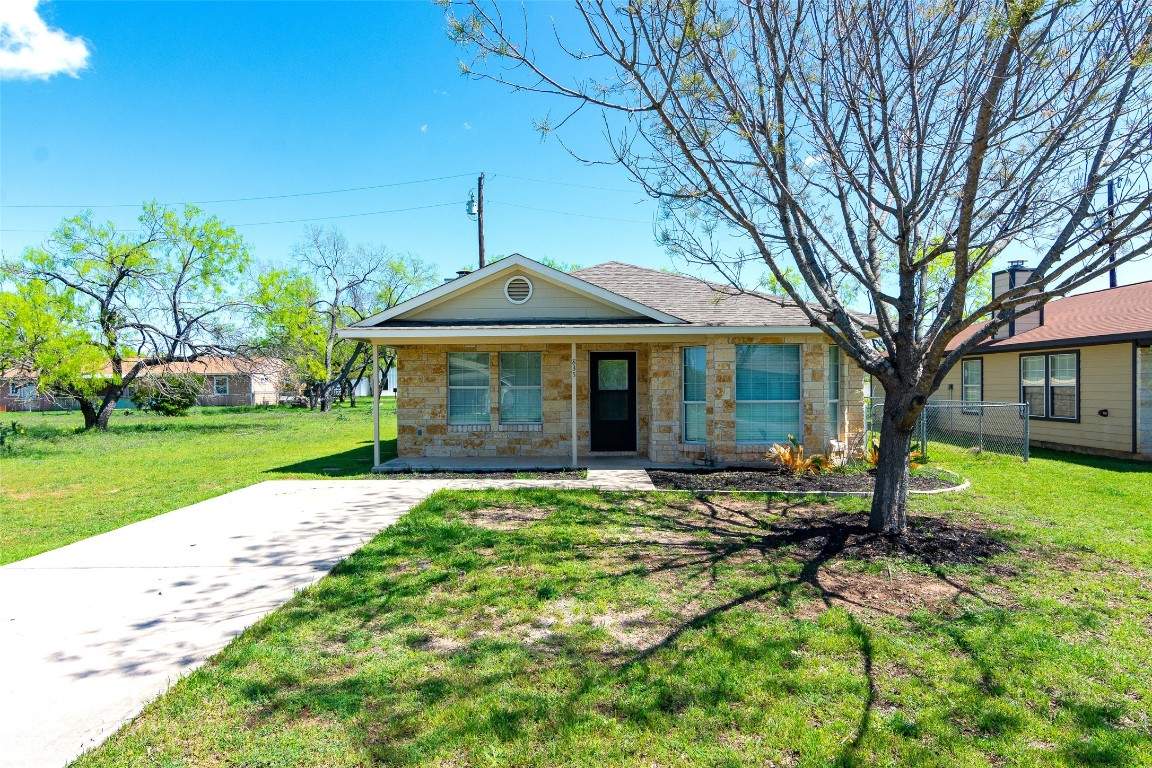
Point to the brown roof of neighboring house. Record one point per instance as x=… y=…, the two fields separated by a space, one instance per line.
x=692 y=299
x=1114 y=314
x=207 y=366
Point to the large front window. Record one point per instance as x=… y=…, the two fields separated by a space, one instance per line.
x=694 y=394
x=767 y=393
x=521 y=400
x=468 y=398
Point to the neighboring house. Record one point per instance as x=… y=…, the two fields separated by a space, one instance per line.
x=1083 y=364
x=518 y=359
x=227 y=381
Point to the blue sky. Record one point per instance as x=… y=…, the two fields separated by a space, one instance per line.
x=185 y=101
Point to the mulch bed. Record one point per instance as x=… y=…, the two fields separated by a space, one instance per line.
x=770 y=479
x=501 y=474
x=930 y=540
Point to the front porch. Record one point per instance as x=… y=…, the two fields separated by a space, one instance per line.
x=519 y=464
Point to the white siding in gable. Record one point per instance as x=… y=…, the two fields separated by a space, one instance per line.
x=487 y=302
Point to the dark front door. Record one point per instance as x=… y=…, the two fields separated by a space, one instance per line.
x=613 y=401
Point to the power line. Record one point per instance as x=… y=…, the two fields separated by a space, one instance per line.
x=349 y=215
x=561 y=183
x=260 y=197
x=294 y=221
x=569 y=213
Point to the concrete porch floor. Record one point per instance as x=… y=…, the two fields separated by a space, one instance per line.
x=516 y=463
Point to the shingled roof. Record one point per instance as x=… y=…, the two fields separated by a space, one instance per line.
x=1114 y=314
x=692 y=299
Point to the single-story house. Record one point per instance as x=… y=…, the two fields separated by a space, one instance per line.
x=1083 y=364
x=519 y=359
x=227 y=381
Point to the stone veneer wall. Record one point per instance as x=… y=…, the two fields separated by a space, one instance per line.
x=720 y=411
x=422 y=401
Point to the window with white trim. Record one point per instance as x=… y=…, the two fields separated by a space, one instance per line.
x=694 y=394
x=1050 y=384
x=767 y=393
x=521 y=393
x=468 y=388
x=971 y=382
x=220 y=385
x=834 y=392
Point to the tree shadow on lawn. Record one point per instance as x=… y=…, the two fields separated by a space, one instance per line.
x=354 y=462
x=645 y=628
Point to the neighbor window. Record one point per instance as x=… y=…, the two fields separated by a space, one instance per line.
x=767 y=393
x=14 y=389
x=1050 y=383
x=521 y=399
x=971 y=382
x=219 y=385
x=695 y=386
x=834 y=392
x=468 y=397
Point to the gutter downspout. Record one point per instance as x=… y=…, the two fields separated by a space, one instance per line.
x=375 y=404
x=573 y=398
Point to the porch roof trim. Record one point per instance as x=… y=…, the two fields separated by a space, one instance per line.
x=448 y=334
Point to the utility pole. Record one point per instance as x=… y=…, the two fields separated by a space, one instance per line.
x=480 y=215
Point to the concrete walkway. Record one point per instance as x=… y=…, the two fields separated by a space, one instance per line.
x=92 y=631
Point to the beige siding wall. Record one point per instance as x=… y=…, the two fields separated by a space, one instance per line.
x=487 y=302
x=422 y=401
x=1144 y=402
x=1105 y=383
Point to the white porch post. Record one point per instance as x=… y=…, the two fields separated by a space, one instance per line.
x=375 y=404
x=573 y=405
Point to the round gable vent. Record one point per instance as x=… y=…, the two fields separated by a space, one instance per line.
x=518 y=289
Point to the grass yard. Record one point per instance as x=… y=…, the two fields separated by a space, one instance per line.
x=542 y=628
x=59 y=485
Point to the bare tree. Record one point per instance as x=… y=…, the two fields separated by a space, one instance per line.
x=331 y=285
x=130 y=302
x=865 y=147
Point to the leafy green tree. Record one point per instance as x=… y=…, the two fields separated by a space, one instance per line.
x=168 y=395
x=125 y=302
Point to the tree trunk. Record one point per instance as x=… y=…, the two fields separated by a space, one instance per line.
x=88 y=410
x=889 y=513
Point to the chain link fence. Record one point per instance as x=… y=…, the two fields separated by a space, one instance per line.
x=994 y=427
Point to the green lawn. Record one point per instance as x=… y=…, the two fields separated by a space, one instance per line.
x=59 y=484
x=543 y=628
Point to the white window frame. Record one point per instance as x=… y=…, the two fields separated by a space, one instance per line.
x=486 y=387
x=964 y=399
x=798 y=403
x=509 y=387
x=685 y=402
x=216 y=386
x=835 y=414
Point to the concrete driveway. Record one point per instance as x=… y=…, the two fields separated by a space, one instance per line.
x=92 y=631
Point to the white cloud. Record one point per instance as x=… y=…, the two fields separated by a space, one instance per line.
x=30 y=49
x=424 y=128
x=467 y=127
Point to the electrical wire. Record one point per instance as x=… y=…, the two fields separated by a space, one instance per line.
x=260 y=197
x=568 y=213
x=560 y=183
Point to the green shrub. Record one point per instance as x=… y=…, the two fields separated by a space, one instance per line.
x=167 y=395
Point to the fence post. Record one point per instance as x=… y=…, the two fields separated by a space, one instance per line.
x=1027 y=430
x=924 y=431
x=980 y=421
